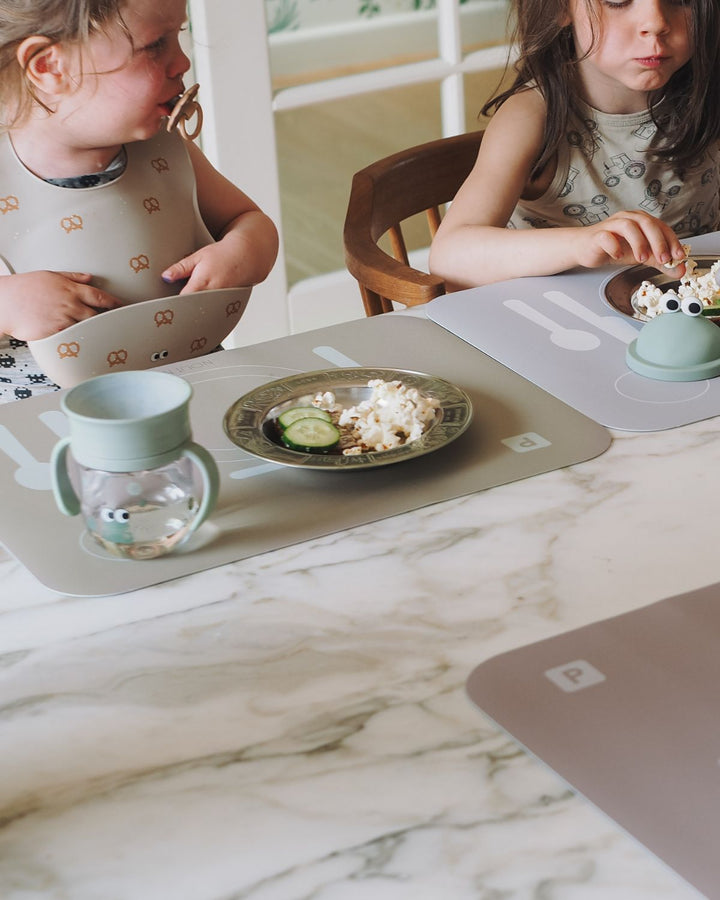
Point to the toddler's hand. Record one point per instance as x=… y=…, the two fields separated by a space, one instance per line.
x=210 y=267
x=34 y=305
x=627 y=238
x=230 y=262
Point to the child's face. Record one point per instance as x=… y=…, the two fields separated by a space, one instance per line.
x=640 y=45
x=125 y=89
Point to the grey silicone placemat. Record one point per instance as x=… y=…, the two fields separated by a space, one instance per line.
x=626 y=711
x=593 y=378
x=517 y=431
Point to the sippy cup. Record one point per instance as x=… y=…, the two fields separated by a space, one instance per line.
x=134 y=464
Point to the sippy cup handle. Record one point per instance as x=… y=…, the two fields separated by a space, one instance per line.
x=63 y=491
x=210 y=478
x=69 y=503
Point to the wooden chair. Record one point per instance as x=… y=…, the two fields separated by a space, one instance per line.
x=382 y=197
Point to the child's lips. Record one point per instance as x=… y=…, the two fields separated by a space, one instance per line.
x=169 y=105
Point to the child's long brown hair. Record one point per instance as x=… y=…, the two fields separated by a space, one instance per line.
x=686 y=111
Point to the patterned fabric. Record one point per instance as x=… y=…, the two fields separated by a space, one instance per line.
x=113 y=171
x=20 y=376
x=604 y=168
x=126 y=232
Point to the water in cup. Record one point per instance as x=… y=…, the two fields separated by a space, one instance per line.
x=130 y=466
x=139 y=515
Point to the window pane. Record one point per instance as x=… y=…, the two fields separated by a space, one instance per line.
x=314 y=39
x=321 y=146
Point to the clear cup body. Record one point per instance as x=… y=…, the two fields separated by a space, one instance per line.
x=139 y=515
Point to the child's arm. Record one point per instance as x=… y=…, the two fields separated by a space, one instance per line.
x=474 y=247
x=247 y=240
x=34 y=305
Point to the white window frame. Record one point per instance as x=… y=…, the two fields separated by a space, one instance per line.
x=232 y=64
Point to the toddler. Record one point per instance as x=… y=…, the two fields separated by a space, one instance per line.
x=99 y=204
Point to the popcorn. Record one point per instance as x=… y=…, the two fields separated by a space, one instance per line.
x=647 y=298
x=673 y=262
x=326 y=400
x=393 y=415
x=705 y=286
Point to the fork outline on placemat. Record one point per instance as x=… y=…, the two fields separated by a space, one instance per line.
x=610 y=324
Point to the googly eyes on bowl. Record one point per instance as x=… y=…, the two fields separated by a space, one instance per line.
x=670 y=302
x=691 y=306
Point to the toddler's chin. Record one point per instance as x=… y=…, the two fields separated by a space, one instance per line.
x=147 y=130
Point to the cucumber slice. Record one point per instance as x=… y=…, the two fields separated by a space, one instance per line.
x=311 y=435
x=302 y=412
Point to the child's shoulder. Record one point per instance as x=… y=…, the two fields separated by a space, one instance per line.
x=525 y=102
x=521 y=117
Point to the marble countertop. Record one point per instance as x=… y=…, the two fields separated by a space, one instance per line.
x=295 y=725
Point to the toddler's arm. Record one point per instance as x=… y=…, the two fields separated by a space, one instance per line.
x=34 y=305
x=247 y=240
x=474 y=247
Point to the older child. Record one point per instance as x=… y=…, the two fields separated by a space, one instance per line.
x=99 y=204
x=612 y=124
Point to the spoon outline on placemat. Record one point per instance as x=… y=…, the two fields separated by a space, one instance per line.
x=32 y=473
x=566 y=338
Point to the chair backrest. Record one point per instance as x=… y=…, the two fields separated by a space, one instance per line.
x=382 y=197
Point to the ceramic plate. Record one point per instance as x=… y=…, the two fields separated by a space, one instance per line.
x=619 y=291
x=251 y=420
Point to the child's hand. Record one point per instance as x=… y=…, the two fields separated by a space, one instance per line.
x=243 y=256
x=628 y=238
x=208 y=268
x=34 y=305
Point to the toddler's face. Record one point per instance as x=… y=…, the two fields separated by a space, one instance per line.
x=640 y=45
x=125 y=87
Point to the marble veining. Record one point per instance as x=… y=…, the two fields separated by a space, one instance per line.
x=295 y=725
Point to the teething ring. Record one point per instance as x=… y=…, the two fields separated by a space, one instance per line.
x=187 y=107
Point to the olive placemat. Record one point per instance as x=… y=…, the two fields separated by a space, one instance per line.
x=517 y=431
